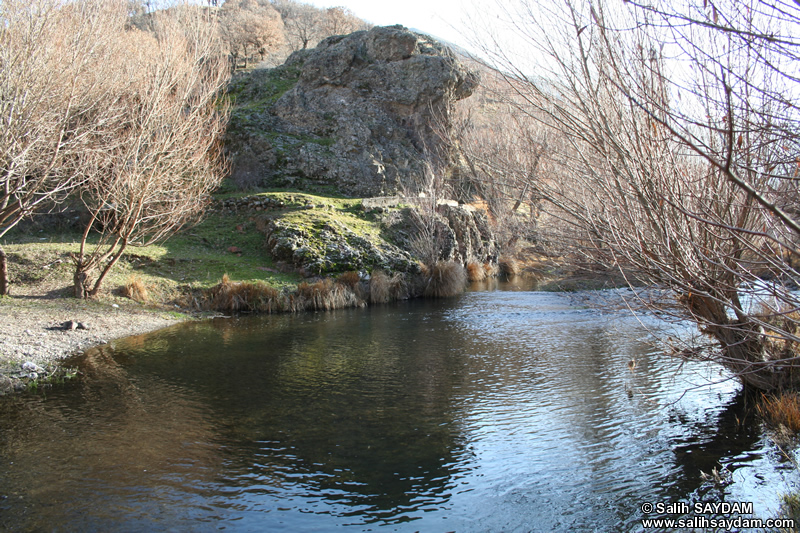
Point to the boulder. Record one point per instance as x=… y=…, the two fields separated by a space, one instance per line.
x=358 y=112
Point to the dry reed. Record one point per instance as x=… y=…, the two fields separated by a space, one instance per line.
x=781 y=410
x=350 y=279
x=232 y=296
x=379 y=287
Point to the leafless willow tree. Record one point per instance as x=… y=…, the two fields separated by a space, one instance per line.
x=54 y=101
x=744 y=55
x=677 y=142
x=342 y=21
x=304 y=23
x=250 y=27
x=151 y=172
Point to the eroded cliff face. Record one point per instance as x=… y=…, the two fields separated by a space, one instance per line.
x=357 y=113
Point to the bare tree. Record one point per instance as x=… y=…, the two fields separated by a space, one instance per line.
x=341 y=21
x=502 y=166
x=152 y=172
x=745 y=54
x=250 y=27
x=304 y=24
x=54 y=101
x=655 y=177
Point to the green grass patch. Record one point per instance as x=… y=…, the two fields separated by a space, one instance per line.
x=326 y=210
x=256 y=90
x=198 y=257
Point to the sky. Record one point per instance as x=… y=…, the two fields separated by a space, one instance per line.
x=438 y=18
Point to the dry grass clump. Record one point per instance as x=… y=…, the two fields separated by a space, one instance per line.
x=384 y=288
x=444 y=279
x=135 y=289
x=258 y=297
x=348 y=290
x=781 y=410
x=379 y=287
x=491 y=269
x=508 y=266
x=475 y=272
x=350 y=279
x=246 y=297
x=324 y=295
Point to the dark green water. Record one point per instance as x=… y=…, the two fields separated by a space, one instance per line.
x=497 y=411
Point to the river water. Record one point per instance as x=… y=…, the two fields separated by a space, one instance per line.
x=501 y=410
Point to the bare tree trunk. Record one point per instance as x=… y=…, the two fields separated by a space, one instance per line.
x=4 y=283
x=93 y=292
x=80 y=282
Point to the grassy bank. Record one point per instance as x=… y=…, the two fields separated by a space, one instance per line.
x=265 y=252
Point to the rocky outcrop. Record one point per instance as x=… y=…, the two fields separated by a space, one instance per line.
x=334 y=248
x=454 y=232
x=323 y=236
x=357 y=113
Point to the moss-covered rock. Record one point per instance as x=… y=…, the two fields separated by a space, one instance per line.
x=330 y=246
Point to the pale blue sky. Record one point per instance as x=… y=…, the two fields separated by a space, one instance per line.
x=435 y=17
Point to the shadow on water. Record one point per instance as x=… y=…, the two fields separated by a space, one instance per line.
x=496 y=411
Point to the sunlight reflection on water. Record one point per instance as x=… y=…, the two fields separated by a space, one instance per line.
x=499 y=410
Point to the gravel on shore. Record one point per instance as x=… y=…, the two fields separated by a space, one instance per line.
x=37 y=334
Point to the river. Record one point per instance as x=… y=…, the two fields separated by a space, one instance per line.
x=501 y=410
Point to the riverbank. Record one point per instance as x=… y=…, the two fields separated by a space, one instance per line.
x=39 y=332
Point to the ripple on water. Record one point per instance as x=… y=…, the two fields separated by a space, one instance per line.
x=497 y=411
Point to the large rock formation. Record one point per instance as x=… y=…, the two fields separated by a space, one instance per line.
x=359 y=113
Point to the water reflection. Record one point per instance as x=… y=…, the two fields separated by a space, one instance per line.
x=497 y=411
x=79 y=456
